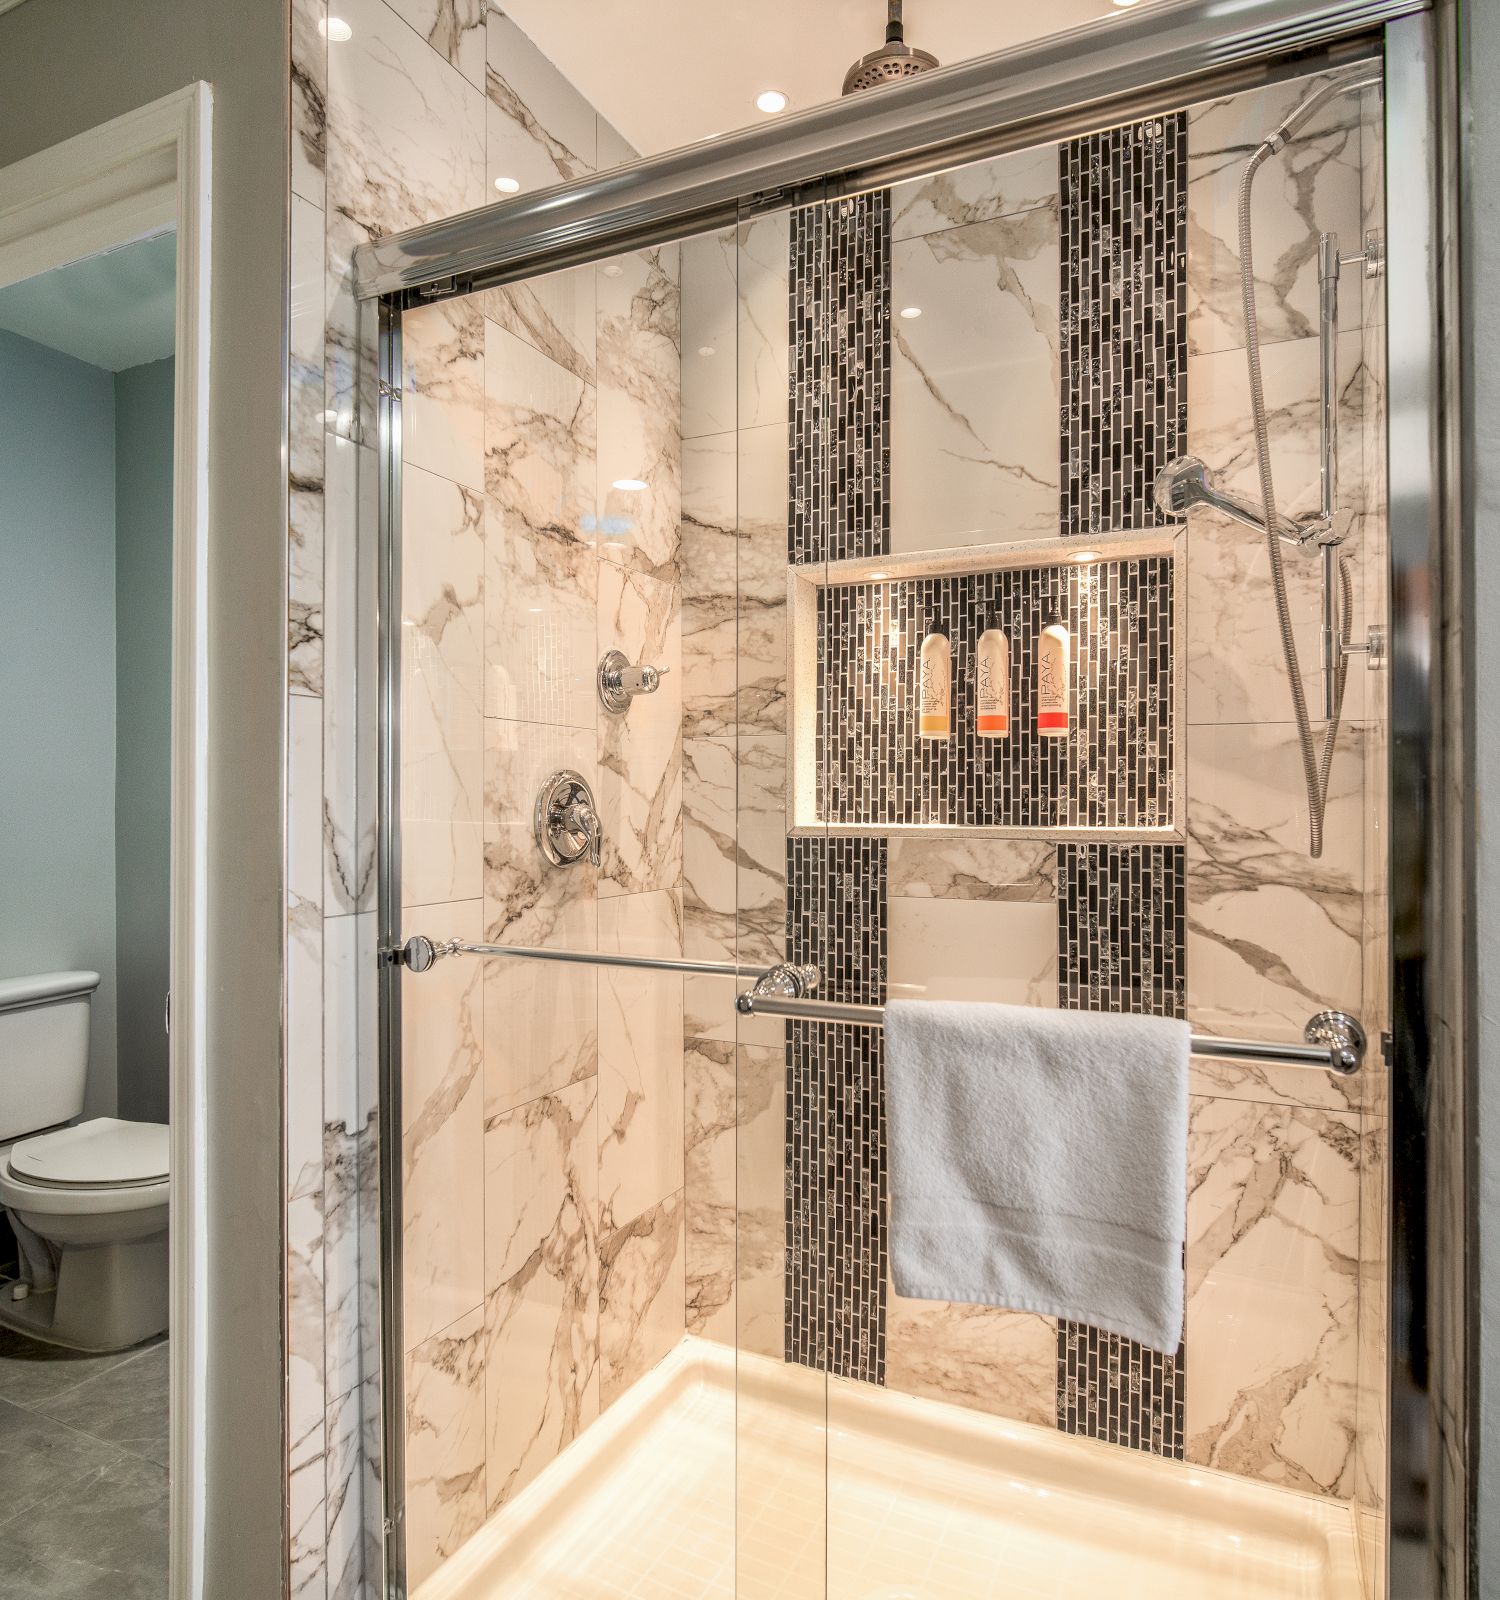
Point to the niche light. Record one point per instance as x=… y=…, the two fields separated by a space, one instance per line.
x=911 y=312
x=707 y=350
x=508 y=185
x=771 y=101
x=877 y=577
x=1084 y=557
x=629 y=485
x=335 y=30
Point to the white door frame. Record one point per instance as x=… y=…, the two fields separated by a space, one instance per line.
x=128 y=179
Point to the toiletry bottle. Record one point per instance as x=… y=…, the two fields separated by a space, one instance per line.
x=1053 y=667
x=936 y=687
x=992 y=700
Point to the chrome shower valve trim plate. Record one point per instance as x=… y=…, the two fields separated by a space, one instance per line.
x=566 y=823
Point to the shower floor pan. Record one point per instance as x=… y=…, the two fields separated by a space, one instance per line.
x=724 y=1477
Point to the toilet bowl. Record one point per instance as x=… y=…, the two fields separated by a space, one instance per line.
x=97 y=1193
x=88 y=1200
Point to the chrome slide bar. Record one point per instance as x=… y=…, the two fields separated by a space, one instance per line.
x=1335 y=1041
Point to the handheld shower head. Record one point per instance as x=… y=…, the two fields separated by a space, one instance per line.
x=893 y=61
x=1187 y=482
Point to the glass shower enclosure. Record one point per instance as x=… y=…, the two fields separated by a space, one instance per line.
x=679 y=791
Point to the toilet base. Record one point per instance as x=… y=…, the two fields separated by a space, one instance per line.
x=108 y=1297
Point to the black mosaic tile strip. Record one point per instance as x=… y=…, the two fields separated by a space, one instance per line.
x=1121 y=946
x=839 y=404
x=1115 y=770
x=836 y=1241
x=1123 y=315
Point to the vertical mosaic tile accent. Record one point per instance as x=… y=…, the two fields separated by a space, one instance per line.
x=1123 y=312
x=1121 y=944
x=840 y=379
x=1114 y=771
x=836 y=1252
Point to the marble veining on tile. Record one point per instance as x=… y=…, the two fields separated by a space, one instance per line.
x=541 y=130
x=1025 y=180
x=641 y=1295
x=1001 y=1362
x=445 y=1444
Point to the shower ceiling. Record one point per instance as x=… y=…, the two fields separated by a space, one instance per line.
x=696 y=66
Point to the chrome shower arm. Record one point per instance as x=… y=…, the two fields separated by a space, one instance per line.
x=1296 y=534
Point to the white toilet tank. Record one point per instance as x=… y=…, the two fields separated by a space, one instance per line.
x=44 y=1050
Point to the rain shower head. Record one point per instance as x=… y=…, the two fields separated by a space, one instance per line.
x=894 y=60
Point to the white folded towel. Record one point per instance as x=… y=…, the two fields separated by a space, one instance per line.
x=1038 y=1160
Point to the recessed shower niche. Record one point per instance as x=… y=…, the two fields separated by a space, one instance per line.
x=858 y=761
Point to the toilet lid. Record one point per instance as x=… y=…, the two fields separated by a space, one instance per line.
x=104 y=1153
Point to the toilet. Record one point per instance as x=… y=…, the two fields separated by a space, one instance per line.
x=88 y=1200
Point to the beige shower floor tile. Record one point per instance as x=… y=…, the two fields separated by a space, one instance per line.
x=855 y=1493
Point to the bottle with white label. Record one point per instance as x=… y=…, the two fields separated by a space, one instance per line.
x=1053 y=665
x=992 y=690
x=936 y=687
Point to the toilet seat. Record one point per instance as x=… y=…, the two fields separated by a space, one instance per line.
x=104 y=1165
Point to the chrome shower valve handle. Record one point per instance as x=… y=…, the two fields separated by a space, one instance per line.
x=620 y=682
x=567 y=825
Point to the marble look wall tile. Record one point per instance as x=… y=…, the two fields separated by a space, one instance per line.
x=641 y=1296
x=1272 y=936
x=986 y=950
x=454 y=28
x=554 y=314
x=442 y=1063
x=761 y=591
x=305 y=486
x=443 y=390
x=1002 y=1362
x=349 y=1562
x=542 y=1271
x=541 y=651
x=1234 y=658
x=763 y=266
x=309 y=87
x=640 y=1059
x=1372 y=195
x=640 y=751
x=710 y=308
x=406 y=141
x=760 y=848
x=540 y=436
x=709 y=574
x=709 y=871
x=350 y=1283
x=349 y=655
x=1025 y=180
x=734 y=1195
x=527 y=900
x=975 y=387
x=710 y=1135
x=1312 y=186
x=972 y=869
x=1272 y=1286
x=541 y=130
x=1374 y=1335
x=307 y=1511
x=445 y=1445
x=615 y=150
x=442 y=713
x=640 y=407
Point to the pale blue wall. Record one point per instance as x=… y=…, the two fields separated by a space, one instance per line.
x=143 y=730
x=57 y=678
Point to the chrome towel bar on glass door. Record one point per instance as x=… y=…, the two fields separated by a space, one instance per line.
x=420 y=953
x=1334 y=1040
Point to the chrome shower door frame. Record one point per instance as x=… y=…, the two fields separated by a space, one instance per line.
x=1137 y=64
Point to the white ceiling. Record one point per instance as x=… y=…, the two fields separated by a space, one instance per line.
x=667 y=72
x=115 y=310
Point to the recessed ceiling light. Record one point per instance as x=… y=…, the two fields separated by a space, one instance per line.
x=770 y=101
x=1125 y=5
x=630 y=485
x=612 y=269
x=508 y=185
x=335 y=30
x=909 y=312
x=706 y=350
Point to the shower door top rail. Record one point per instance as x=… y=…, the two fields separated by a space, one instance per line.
x=1033 y=93
x=1335 y=1042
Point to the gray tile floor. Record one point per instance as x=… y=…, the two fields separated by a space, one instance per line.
x=83 y=1472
